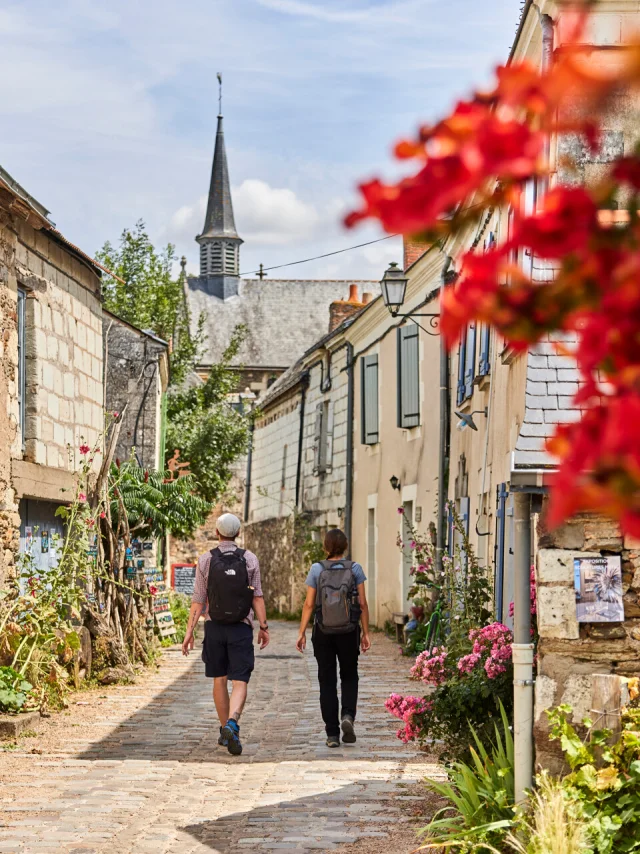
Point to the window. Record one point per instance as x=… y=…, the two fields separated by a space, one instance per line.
x=369 y=407
x=470 y=360
x=22 y=364
x=484 y=365
x=408 y=377
x=323 y=438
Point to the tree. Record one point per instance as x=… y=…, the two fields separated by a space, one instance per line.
x=154 y=505
x=149 y=296
x=207 y=430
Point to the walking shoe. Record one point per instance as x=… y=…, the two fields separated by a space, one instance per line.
x=222 y=740
x=348 y=731
x=231 y=731
x=333 y=741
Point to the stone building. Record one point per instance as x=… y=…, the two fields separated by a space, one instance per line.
x=283 y=317
x=137 y=375
x=51 y=383
x=299 y=471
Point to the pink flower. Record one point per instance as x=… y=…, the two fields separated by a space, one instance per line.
x=430 y=667
x=412 y=544
x=82 y=497
x=468 y=662
x=116 y=414
x=91 y=523
x=103 y=515
x=401 y=510
x=84 y=449
x=153 y=589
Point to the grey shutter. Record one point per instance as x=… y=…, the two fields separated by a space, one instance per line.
x=408 y=377
x=462 y=351
x=22 y=364
x=483 y=364
x=328 y=436
x=470 y=360
x=369 y=407
x=317 y=440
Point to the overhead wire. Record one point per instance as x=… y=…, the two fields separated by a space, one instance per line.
x=317 y=257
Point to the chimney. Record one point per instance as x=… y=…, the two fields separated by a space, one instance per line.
x=340 y=310
x=366 y=298
x=414 y=248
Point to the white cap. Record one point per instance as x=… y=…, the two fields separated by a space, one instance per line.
x=228 y=525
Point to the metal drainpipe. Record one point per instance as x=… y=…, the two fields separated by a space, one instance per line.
x=522 y=647
x=443 y=454
x=304 y=385
x=247 y=487
x=348 y=509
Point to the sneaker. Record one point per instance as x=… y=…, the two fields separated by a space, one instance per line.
x=333 y=741
x=231 y=731
x=222 y=740
x=348 y=731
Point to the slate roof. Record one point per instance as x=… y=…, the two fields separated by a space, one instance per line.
x=284 y=317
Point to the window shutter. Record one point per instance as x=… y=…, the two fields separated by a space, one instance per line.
x=369 y=414
x=470 y=360
x=483 y=365
x=328 y=437
x=22 y=360
x=408 y=377
x=462 y=351
x=317 y=439
x=464 y=513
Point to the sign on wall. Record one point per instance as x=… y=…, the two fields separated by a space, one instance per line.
x=183 y=577
x=598 y=584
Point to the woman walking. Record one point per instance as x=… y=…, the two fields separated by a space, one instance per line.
x=337 y=600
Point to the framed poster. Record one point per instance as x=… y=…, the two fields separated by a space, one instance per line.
x=598 y=584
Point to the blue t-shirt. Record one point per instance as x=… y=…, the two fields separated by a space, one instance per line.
x=316 y=569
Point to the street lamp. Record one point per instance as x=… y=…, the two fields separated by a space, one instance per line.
x=394 y=288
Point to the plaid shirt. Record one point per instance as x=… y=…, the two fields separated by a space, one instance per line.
x=202 y=576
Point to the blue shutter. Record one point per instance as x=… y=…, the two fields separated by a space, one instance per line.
x=461 y=361
x=470 y=360
x=485 y=338
x=408 y=377
x=369 y=408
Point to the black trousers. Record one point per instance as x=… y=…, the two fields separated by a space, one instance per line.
x=329 y=650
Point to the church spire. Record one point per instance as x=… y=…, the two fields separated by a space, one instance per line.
x=219 y=241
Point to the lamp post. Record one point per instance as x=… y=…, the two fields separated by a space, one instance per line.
x=394 y=289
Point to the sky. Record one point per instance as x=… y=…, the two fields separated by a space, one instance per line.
x=110 y=113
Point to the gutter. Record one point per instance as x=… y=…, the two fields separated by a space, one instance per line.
x=304 y=385
x=448 y=277
x=348 y=510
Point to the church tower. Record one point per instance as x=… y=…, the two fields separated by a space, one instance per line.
x=219 y=241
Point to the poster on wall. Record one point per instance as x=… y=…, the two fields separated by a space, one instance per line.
x=598 y=584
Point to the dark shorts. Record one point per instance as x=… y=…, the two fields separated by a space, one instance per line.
x=227 y=650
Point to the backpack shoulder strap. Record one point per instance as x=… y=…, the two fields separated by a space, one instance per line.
x=241 y=553
x=215 y=552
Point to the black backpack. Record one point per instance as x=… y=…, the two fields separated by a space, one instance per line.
x=228 y=593
x=337 y=601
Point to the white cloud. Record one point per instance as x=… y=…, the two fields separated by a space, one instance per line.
x=265 y=216
x=308 y=10
x=272 y=216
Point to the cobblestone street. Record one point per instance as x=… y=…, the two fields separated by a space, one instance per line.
x=143 y=772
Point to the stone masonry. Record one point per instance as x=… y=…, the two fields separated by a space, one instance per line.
x=63 y=351
x=137 y=375
x=570 y=653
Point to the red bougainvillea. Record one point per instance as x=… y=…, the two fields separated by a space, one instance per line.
x=586 y=242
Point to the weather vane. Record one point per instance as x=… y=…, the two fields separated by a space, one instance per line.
x=219 y=93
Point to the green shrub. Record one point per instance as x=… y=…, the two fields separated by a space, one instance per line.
x=604 y=779
x=480 y=796
x=14 y=690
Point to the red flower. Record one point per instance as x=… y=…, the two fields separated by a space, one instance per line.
x=103 y=515
x=566 y=222
x=84 y=449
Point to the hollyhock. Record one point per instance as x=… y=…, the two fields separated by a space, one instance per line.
x=82 y=497
x=84 y=449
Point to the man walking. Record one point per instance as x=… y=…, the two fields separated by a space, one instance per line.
x=228 y=590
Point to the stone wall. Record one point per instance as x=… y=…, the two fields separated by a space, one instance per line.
x=278 y=545
x=570 y=653
x=9 y=517
x=64 y=395
x=136 y=375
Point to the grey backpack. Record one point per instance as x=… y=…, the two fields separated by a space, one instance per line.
x=337 y=603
